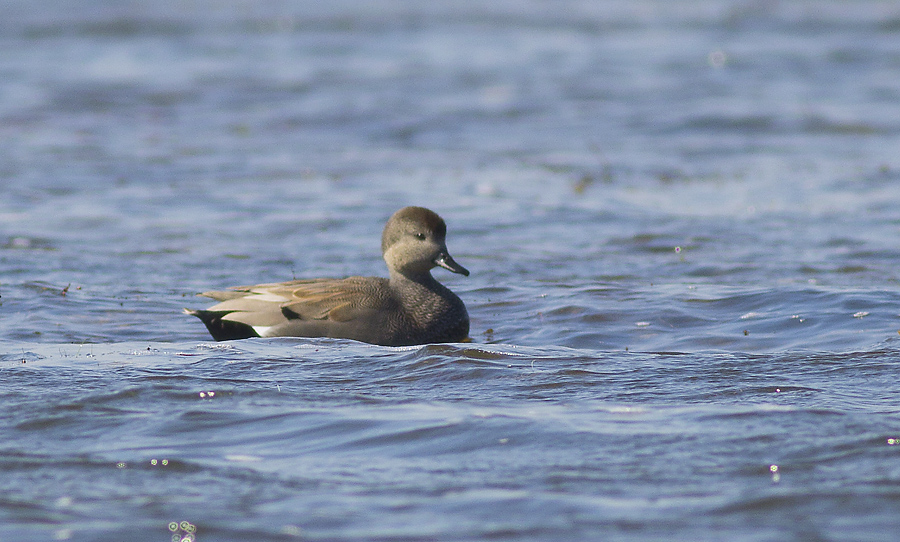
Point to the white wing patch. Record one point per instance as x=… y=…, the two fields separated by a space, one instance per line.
x=261 y=330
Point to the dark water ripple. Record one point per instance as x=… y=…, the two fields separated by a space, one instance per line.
x=432 y=435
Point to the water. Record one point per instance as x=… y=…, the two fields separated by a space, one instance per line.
x=681 y=220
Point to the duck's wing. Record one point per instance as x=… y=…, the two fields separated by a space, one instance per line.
x=355 y=308
x=335 y=300
x=339 y=300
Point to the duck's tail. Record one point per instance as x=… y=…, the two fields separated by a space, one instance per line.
x=222 y=329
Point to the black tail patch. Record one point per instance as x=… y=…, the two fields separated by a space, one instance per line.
x=223 y=330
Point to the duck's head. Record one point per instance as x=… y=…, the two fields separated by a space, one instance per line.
x=414 y=243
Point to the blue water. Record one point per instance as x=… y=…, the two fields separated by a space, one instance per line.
x=681 y=220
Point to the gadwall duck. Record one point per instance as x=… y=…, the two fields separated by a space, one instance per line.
x=410 y=308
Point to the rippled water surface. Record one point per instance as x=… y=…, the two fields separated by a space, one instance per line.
x=681 y=220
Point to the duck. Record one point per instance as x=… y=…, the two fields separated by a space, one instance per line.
x=409 y=308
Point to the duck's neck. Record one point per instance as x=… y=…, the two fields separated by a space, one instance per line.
x=413 y=282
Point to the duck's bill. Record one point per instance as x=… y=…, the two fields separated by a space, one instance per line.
x=447 y=262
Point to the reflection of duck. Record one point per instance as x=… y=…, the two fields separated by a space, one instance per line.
x=409 y=308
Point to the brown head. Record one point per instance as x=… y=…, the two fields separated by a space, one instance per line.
x=414 y=242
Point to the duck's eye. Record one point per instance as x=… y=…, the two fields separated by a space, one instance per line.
x=420 y=236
